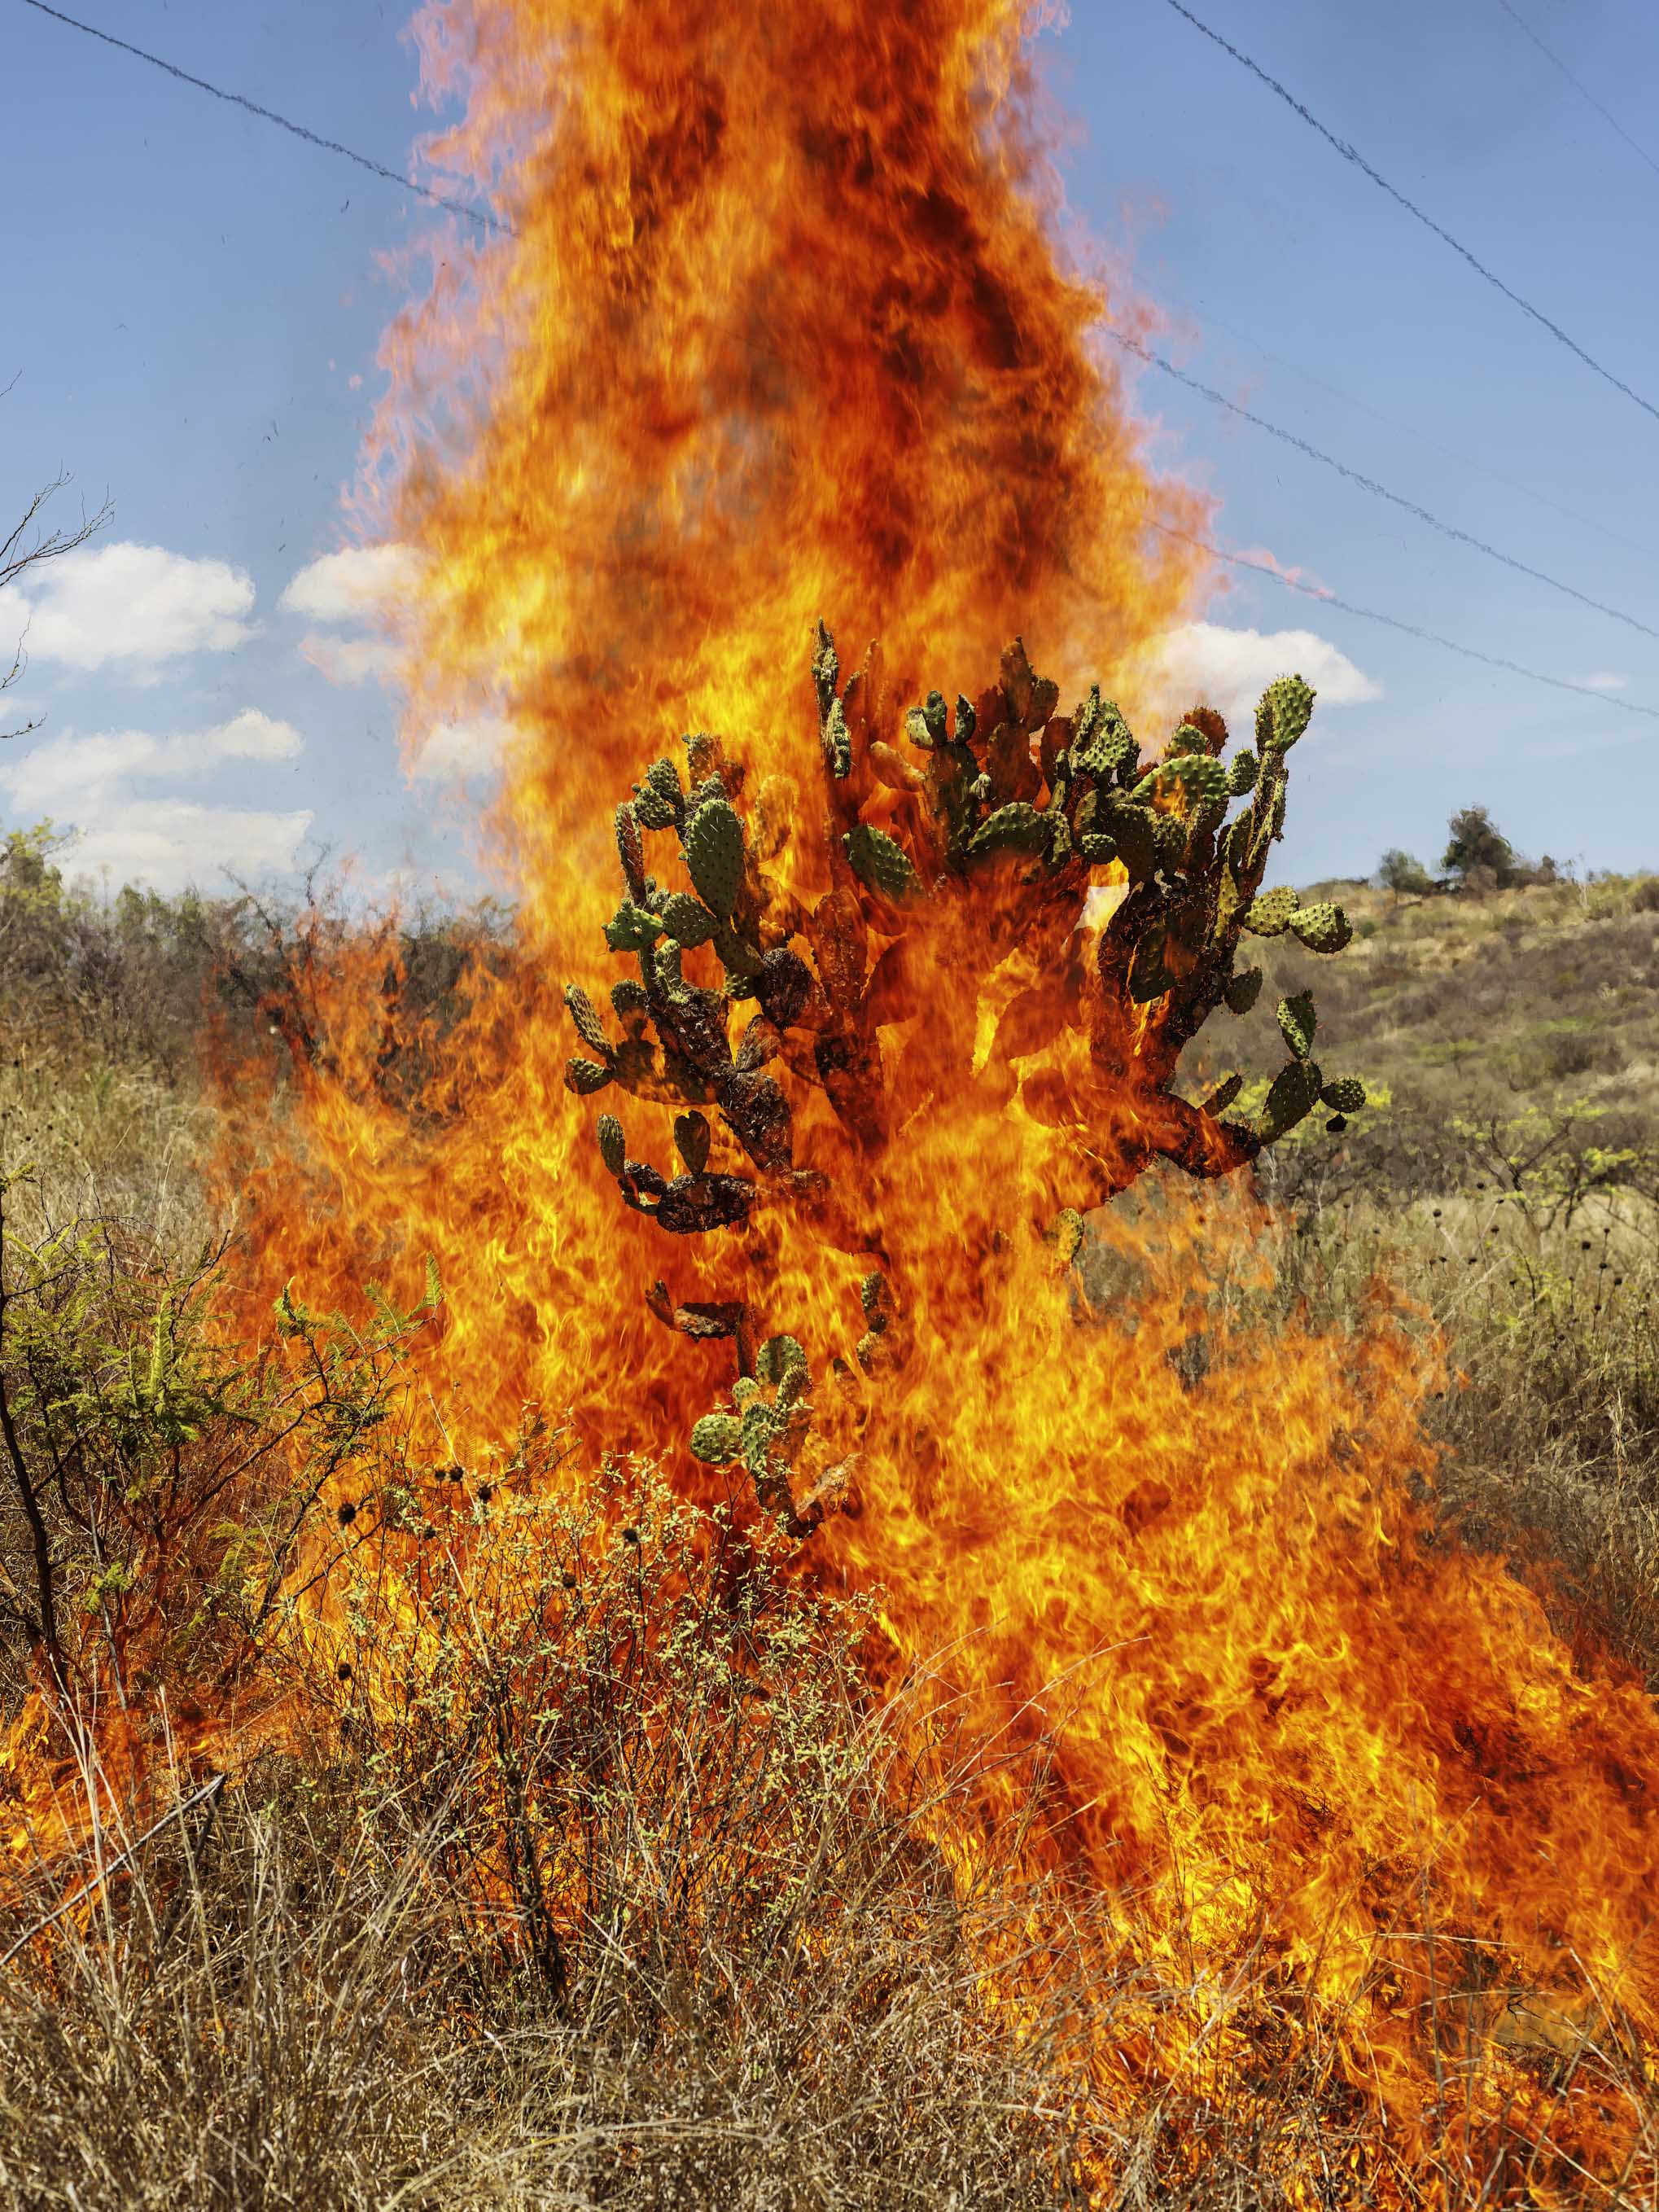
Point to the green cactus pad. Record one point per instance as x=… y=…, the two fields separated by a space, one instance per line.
x=687 y=922
x=967 y=720
x=1294 y=1095
x=589 y=1028
x=631 y=928
x=1109 y=749
x=629 y=997
x=691 y=1137
x=880 y=861
x=1202 y=777
x=584 y=1076
x=664 y=778
x=1270 y=914
x=1242 y=990
x=737 y=956
x=1345 y=1094
x=1014 y=828
x=655 y=811
x=613 y=1145
x=1286 y=711
x=1224 y=1094
x=1322 y=927
x=717 y=1439
x=776 y=1357
x=1297 y=1022
x=714 y=853
x=1241 y=776
x=1099 y=852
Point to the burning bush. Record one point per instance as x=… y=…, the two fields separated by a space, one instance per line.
x=977 y=860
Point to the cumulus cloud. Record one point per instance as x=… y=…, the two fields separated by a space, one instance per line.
x=96 y=785
x=360 y=587
x=68 y=775
x=170 y=844
x=132 y=608
x=455 y=750
x=353 y=586
x=1206 y=663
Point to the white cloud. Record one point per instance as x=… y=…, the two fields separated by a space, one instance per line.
x=133 y=607
x=361 y=586
x=250 y=736
x=1603 y=679
x=95 y=785
x=170 y=844
x=1206 y=664
x=352 y=586
x=455 y=750
x=72 y=777
x=351 y=660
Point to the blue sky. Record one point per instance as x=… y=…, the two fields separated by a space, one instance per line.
x=194 y=301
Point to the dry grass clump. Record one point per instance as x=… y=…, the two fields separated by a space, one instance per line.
x=628 y=1899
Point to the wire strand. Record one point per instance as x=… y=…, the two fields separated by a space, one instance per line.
x=1582 y=89
x=1353 y=154
x=480 y=215
x=1369 y=484
x=1409 y=629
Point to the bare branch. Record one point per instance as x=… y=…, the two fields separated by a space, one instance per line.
x=28 y=543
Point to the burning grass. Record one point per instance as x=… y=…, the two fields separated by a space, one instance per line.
x=606 y=1860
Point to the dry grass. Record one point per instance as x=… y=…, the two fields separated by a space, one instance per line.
x=630 y=1902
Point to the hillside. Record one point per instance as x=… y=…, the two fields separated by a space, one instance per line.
x=1510 y=1040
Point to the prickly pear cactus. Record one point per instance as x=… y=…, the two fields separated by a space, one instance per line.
x=943 y=839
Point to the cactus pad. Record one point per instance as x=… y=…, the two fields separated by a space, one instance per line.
x=1242 y=990
x=714 y=853
x=1296 y=1023
x=1243 y=774
x=1294 y=1094
x=1270 y=914
x=1016 y=828
x=589 y=1028
x=691 y=1139
x=1322 y=927
x=1286 y=711
x=717 y=1439
x=1345 y=1094
x=654 y=810
x=613 y=1145
x=631 y=928
x=878 y=861
x=687 y=922
x=584 y=1076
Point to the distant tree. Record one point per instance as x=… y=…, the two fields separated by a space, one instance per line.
x=1478 y=852
x=1403 y=874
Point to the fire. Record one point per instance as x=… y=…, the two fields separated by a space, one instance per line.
x=780 y=331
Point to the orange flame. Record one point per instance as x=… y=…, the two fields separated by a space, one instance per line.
x=779 y=333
